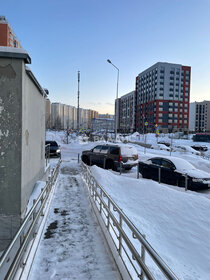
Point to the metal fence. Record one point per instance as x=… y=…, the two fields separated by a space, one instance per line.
x=135 y=257
x=17 y=253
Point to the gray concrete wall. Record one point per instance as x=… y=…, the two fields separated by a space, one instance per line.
x=10 y=146
x=33 y=138
x=22 y=141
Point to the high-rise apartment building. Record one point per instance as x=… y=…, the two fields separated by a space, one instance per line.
x=162 y=97
x=7 y=35
x=127 y=108
x=200 y=116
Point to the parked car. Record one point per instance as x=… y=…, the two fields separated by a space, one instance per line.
x=164 y=143
x=201 y=148
x=185 y=149
x=52 y=148
x=160 y=147
x=173 y=171
x=111 y=156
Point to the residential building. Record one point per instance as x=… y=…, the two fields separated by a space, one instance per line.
x=102 y=125
x=47 y=113
x=105 y=116
x=56 y=115
x=7 y=35
x=65 y=116
x=162 y=98
x=200 y=116
x=127 y=105
x=192 y=117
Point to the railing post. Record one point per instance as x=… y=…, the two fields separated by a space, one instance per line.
x=143 y=258
x=108 y=216
x=137 y=171
x=186 y=179
x=120 y=168
x=78 y=157
x=120 y=236
x=100 y=201
x=159 y=175
x=104 y=163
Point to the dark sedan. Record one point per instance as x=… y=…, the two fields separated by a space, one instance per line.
x=52 y=148
x=174 y=171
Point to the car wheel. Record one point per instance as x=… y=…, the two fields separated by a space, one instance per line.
x=145 y=174
x=110 y=165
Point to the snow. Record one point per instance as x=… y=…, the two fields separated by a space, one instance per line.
x=175 y=222
x=128 y=151
x=72 y=245
x=34 y=195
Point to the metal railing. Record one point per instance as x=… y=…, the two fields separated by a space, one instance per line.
x=47 y=154
x=17 y=253
x=138 y=257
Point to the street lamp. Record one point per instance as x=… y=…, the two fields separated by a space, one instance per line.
x=116 y=111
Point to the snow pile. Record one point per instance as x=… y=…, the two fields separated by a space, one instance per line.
x=175 y=223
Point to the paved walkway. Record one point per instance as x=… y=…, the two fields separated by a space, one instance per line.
x=72 y=245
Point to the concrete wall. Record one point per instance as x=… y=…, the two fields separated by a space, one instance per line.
x=10 y=147
x=22 y=140
x=33 y=138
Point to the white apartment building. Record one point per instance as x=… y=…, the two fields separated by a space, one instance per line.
x=65 y=117
x=127 y=106
x=199 y=119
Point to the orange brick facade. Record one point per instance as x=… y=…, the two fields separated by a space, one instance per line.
x=7 y=36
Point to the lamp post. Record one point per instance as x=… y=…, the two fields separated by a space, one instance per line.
x=116 y=110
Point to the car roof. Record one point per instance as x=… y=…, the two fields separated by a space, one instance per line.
x=178 y=162
x=51 y=142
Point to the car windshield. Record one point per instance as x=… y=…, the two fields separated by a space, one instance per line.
x=52 y=143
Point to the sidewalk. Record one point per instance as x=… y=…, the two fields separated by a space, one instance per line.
x=72 y=245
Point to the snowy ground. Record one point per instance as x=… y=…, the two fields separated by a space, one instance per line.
x=176 y=223
x=72 y=245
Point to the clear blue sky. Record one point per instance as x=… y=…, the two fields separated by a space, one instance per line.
x=65 y=36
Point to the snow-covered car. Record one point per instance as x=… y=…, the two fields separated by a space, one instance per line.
x=198 y=147
x=160 y=147
x=173 y=171
x=164 y=143
x=185 y=149
x=111 y=156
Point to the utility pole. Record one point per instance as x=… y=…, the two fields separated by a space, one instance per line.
x=78 y=103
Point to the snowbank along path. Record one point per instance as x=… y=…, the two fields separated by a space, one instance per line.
x=72 y=245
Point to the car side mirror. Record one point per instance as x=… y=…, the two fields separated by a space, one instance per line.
x=172 y=168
